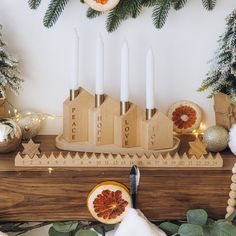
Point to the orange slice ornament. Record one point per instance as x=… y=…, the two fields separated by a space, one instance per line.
x=102 y=5
x=108 y=202
x=186 y=116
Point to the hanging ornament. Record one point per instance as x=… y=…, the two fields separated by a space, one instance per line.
x=102 y=5
x=108 y=202
x=232 y=139
x=216 y=138
x=10 y=135
x=186 y=116
x=30 y=123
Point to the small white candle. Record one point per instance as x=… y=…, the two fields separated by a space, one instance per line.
x=124 y=87
x=150 y=80
x=75 y=62
x=99 y=67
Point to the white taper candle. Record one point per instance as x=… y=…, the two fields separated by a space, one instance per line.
x=124 y=86
x=74 y=84
x=99 y=67
x=150 y=80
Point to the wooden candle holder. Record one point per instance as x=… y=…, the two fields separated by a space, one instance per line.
x=75 y=117
x=101 y=122
x=157 y=133
x=128 y=127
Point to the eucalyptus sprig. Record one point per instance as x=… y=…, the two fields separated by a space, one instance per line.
x=79 y=228
x=198 y=224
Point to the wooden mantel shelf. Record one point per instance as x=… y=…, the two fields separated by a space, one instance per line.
x=36 y=195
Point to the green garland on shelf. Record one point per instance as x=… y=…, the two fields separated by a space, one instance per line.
x=197 y=223
x=124 y=10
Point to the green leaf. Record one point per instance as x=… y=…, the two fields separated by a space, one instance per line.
x=197 y=217
x=190 y=230
x=160 y=13
x=209 y=4
x=178 y=4
x=223 y=229
x=104 y=228
x=34 y=4
x=65 y=226
x=53 y=12
x=53 y=232
x=231 y=217
x=86 y=233
x=169 y=228
x=92 y=13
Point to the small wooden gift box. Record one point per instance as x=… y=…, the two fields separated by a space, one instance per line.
x=101 y=122
x=225 y=111
x=75 y=113
x=127 y=128
x=157 y=132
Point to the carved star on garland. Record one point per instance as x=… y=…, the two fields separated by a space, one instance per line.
x=197 y=148
x=31 y=148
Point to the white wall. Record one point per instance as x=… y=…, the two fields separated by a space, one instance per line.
x=182 y=49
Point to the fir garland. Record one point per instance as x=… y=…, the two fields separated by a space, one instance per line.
x=222 y=75
x=124 y=10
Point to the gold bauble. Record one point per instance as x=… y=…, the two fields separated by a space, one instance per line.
x=10 y=135
x=216 y=138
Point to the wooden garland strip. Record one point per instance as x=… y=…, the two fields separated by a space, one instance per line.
x=109 y=160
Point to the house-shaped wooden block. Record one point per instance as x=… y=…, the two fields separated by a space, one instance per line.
x=75 y=117
x=157 y=133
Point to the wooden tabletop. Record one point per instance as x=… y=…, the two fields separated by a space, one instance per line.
x=35 y=194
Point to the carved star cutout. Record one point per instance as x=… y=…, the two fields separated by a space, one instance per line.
x=197 y=148
x=31 y=148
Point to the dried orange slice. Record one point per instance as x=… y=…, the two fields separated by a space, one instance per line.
x=102 y=5
x=186 y=116
x=108 y=201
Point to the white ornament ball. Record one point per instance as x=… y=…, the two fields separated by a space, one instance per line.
x=232 y=140
x=216 y=138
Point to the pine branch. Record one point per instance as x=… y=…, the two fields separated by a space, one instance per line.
x=209 y=4
x=136 y=8
x=160 y=13
x=178 y=4
x=34 y=4
x=53 y=12
x=113 y=21
x=124 y=10
x=92 y=13
x=149 y=3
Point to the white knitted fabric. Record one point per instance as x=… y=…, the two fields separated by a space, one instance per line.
x=232 y=139
x=136 y=224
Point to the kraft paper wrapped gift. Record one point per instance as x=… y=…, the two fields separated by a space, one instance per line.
x=225 y=111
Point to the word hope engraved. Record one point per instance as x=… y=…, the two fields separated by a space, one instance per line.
x=109 y=160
